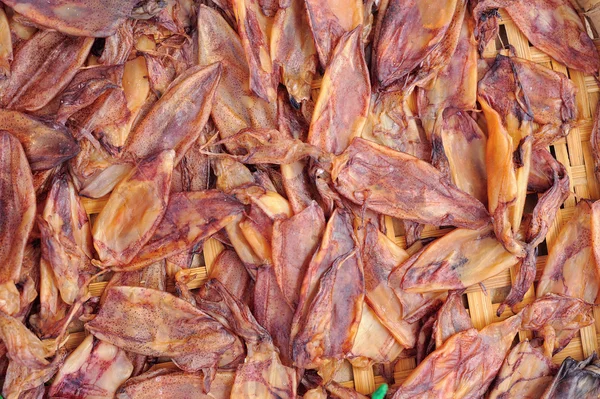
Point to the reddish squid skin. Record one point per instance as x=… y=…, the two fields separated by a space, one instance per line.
x=18 y=207
x=79 y=18
x=399 y=185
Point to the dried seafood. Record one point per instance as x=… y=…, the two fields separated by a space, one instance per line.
x=90 y=18
x=526 y=373
x=46 y=145
x=177 y=119
x=400 y=185
x=456 y=261
x=413 y=40
x=95 y=369
x=511 y=107
x=134 y=319
x=330 y=20
x=245 y=198
x=36 y=75
x=335 y=121
x=150 y=180
x=293 y=50
x=466 y=364
x=572 y=268
x=576 y=379
x=555 y=28
x=176 y=384
x=18 y=209
x=320 y=332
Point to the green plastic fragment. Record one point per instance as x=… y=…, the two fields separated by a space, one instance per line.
x=380 y=392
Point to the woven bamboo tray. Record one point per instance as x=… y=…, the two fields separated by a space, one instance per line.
x=482 y=300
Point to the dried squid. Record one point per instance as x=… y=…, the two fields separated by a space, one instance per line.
x=178 y=117
x=17 y=206
x=262 y=374
x=254 y=28
x=95 y=369
x=234 y=107
x=46 y=145
x=571 y=268
x=335 y=121
x=272 y=311
x=150 y=180
x=392 y=305
x=66 y=239
x=455 y=85
x=173 y=384
x=373 y=343
x=457 y=260
x=511 y=106
x=413 y=40
x=458 y=142
x=330 y=20
x=90 y=18
x=292 y=254
x=526 y=373
x=392 y=123
x=466 y=364
x=150 y=322
x=86 y=87
x=189 y=218
x=41 y=68
x=293 y=50
x=403 y=186
x=334 y=276
x=253 y=198
x=6 y=50
x=576 y=379
x=229 y=270
x=553 y=26
x=510 y=132
x=29 y=367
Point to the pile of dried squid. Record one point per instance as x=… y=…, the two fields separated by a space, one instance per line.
x=291 y=132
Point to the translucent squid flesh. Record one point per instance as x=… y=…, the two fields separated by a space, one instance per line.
x=466 y=364
x=155 y=323
x=46 y=145
x=329 y=20
x=66 y=238
x=399 y=185
x=174 y=384
x=338 y=116
x=455 y=261
x=552 y=26
x=124 y=225
x=526 y=373
x=178 y=117
x=335 y=275
x=18 y=208
x=571 y=266
x=95 y=369
x=90 y=18
x=42 y=67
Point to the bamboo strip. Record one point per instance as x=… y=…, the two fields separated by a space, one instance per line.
x=589 y=340
x=199 y=274
x=93 y=205
x=72 y=342
x=480 y=309
x=212 y=248
x=364 y=379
